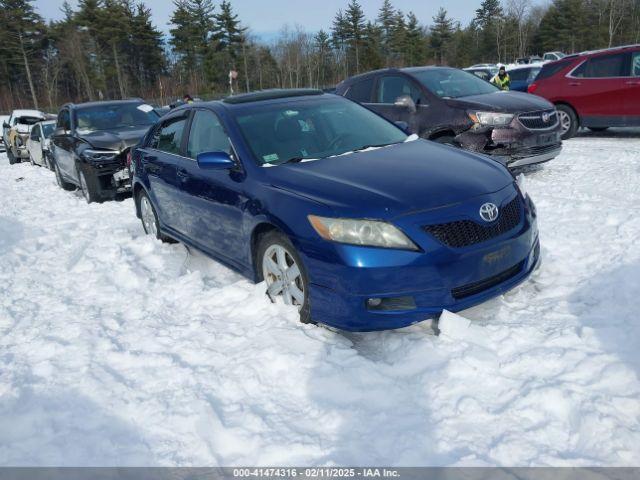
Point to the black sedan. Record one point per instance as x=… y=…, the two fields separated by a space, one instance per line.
x=458 y=108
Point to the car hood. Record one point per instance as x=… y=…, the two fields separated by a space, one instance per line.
x=392 y=181
x=120 y=139
x=508 y=102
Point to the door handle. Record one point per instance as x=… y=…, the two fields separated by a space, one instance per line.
x=574 y=84
x=182 y=173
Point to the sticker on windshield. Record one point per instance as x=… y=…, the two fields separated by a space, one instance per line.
x=145 y=108
x=272 y=157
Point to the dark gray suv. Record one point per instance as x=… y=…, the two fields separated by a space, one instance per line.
x=451 y=106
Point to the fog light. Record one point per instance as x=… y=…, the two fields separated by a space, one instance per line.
x=374 y=302
x=391 y=304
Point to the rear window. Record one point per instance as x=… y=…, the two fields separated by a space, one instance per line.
x=28 y=120
x=519 y=75
x=550 y=69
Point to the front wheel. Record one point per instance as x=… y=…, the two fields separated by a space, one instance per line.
x=11 y=156
x=88 y=187
x=284 y=273
x=568 y=121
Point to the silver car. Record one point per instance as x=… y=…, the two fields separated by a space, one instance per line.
x=39 y=142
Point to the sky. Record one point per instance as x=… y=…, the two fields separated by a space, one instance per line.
x=266 y=17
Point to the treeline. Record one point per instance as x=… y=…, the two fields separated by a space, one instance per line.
x=105 y=49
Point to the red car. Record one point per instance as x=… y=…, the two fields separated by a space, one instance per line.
x=596 y=90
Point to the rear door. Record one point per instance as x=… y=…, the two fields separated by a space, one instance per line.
x=597 y=89
x=212 y=200
x=159 y=161
x=632 y=94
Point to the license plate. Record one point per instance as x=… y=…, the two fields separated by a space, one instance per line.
x=121 y=175
x=548 y=138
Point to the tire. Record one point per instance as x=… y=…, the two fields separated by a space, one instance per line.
x=149 y=218
x=10 y=156
x=88 y=187
x=568 y=121
x=33 y=164
x=276 y=257
x=446 y=140
x=598 y=129
x=62 y=183
x=48 y=161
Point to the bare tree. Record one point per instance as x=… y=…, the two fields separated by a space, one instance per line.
x=519 y=11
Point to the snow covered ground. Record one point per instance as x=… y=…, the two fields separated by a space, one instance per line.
x=118 y=350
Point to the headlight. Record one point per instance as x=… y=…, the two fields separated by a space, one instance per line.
x=99 y=155
x=361 y=232
x=522 y=185
x=491 y=119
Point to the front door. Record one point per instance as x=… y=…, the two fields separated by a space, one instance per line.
x=632 y=93
x=214 y=200
x=389 y=89
x=63 y=144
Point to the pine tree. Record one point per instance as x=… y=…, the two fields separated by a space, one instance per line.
x=386 y=20
x=355 y=26
x=415 y=41
x=441 y=34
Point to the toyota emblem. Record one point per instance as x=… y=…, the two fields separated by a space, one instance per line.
x=489 y=212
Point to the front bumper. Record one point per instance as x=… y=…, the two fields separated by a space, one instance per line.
x=515 y=145
x=418 y=285
x=112 y=178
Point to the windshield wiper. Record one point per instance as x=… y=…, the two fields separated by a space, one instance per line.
x=293 y=160
x=364 y=147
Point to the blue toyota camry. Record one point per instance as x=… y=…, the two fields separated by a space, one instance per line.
x=338 y=210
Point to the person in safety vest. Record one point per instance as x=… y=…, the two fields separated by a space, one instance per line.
x=502 y=80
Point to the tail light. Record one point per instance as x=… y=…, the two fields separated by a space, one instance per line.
x=532 y=88
x=129 y=158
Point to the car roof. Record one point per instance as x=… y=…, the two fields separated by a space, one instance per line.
x=525 y=66
x=103 y=102
x=28 y=113
x=620 y=48
x=272 y=94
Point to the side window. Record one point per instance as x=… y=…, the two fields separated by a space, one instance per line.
x=64 y=120
x=361 y=91
x=207 y=135
x=603 y=66
x=35 y=132
x=392 y=87
x=519 y=75
x=168 y=137
x=635 y=64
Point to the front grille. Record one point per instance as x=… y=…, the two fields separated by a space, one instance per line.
x=462 y=233
x=535 y=120
x=474 y=288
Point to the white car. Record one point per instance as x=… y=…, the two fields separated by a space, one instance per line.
x=39 y=142
x=551 y=56
x=15 y=132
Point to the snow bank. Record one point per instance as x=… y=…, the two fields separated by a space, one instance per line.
x=118 y=350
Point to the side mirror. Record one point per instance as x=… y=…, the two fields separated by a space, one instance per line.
x=5 y=125
x=215 y=161
x=59 y=132
x=407 y=102
x=404 y=126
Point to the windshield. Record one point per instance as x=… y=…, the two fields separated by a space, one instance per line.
x=452 y=83
x=318 y=128
x=28 y=120
x=114 y=116
x=47 y=129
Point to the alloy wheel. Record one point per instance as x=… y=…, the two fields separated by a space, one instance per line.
x=283 y=276
x=148 y=217
x=565 y=121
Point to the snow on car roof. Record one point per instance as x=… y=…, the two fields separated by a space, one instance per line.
x=28 y=113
